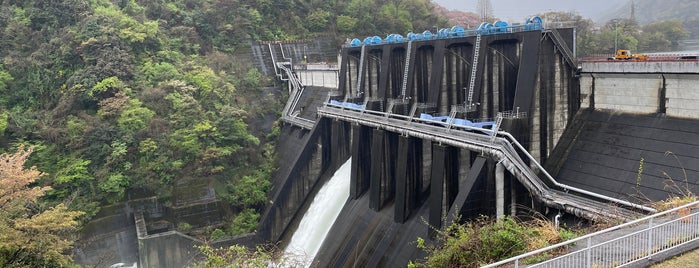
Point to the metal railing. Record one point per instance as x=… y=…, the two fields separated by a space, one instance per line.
x=296 y=90
x=618 y=246
x=565 y=50
x=504 y=147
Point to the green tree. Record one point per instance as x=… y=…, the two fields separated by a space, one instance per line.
x=31 y=237
x=134 y=117
x=586 y=43
x=317 y=20
x=658 y=34
x=244 y=222
x=346 y=24
x=5 y=78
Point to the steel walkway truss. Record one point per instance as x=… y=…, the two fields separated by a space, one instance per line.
x=504 y=148
x=296 y=90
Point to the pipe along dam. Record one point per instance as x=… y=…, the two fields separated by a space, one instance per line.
x=411 y=134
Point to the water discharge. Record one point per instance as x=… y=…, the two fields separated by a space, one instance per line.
x=320 y=216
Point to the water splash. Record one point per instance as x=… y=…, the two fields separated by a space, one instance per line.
x=320 y=216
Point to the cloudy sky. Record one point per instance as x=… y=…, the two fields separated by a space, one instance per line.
x=517 y=10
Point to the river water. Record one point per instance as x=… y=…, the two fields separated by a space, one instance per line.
x=319 y=217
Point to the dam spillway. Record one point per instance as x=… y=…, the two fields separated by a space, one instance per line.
x=320 y=216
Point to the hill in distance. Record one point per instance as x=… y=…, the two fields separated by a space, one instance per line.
x=648 y=11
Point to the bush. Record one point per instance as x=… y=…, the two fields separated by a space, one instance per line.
x=485 y=240
x=502 y=239
x=218 y=234
x=244 y=222
x=184 y=227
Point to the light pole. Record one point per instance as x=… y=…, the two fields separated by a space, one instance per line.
x=616 y=34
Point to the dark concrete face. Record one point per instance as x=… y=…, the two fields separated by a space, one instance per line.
x=397 y=181
x=637 y=157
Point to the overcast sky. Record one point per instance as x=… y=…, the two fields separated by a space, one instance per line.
x=518 y=10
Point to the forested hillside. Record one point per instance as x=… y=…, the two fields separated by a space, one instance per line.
x=137 y=96
x=648 y=11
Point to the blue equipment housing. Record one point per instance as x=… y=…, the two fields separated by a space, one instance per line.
x=500 y=27
x=485 y=28
x=458 y=31
x=355 y=43
x=533 y=23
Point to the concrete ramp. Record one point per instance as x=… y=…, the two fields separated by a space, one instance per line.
x=631 y=157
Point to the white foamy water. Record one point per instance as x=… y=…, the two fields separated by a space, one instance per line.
x=320 y=216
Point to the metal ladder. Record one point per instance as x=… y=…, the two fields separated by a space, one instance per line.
x=413 y=109
x=452 y=115
x=474 y=70
x=404 y=88
x=360 y=73
x=389 y=110
x=496 y=127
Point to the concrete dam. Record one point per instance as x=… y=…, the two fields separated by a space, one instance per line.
x=483 y=124
x=497 y=122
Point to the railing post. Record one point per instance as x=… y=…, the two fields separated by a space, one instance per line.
x=650 y=237
x=589 y=252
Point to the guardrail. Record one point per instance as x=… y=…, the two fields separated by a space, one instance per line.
x=296 y=90
x=622 y=245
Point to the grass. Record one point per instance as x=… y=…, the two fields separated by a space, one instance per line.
x=689 y=259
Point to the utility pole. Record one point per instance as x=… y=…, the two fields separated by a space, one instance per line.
x=485 y=9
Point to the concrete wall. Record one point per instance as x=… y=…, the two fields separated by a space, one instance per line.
x=108 y=239
x=554 y=102
x=318 y=78
x=321 y=49
x=633 y=93
x=677 y=67
x=169 y=249
x=682 y=95
x=672 y=94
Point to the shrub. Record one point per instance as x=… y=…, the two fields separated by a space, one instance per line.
x=486 y=240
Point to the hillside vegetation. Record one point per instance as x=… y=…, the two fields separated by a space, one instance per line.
x=126 y=98
x=648 y=11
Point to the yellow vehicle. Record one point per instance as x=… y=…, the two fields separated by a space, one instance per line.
x=625 y=54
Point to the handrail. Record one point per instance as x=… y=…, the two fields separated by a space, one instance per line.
x=568 y=187
x=296 y=90
x=579 y=239
x=274 y=61
x=567 y=54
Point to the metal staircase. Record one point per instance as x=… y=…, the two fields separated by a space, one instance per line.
x=561 y=45
x=285 y=72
